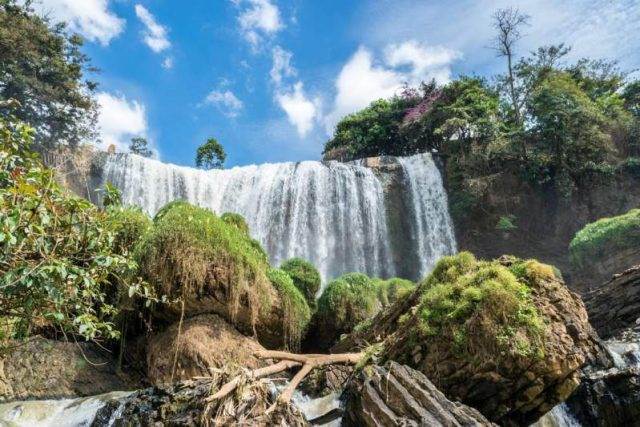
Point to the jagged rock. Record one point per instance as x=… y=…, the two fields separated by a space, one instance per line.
x=396 y=395
x=41 y=368
x=615 y=305
x=206 y=343
x=507 y=386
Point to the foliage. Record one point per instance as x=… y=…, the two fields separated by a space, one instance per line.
x=392 y=290
x=190 y=252
x=59 y=264
x=236 y=220
x=483 y=306
x=140 y=146
x=41 y=66
x=305 y=277
x=347 y=301
x=506 y=223
x=111 y=195
x=295 y=308
x=604 y=236
x=129 y=225
x=210 y=155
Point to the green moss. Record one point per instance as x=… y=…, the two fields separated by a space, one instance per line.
x=605 y=235
x=484 y=306
x=506 y=223
x=305 y=277
x=347 y=301
x=296 y=310
x=128 y=226
x=391 y=290
x=190 y=250
x=236 y=220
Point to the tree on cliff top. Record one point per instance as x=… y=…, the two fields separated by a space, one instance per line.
x=140 y=146
x=210 y=155
x=41 y=67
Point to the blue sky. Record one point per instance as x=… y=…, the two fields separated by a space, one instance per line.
x=270 y=78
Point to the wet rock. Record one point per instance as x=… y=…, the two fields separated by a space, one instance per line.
x=41 y=368
x=396 y=395
x=615 y=305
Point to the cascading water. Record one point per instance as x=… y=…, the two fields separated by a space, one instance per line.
x=332 y=214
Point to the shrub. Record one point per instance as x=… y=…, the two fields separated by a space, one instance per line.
x=391 y=290
x=294 y=306
x=129 y=225
x=506 y=223
x=58 y=266
x=605 y=235
x=345 y=302
x=190 y=252
x=305 y=277
x=484 y=306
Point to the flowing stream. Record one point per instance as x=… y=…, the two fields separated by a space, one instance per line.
x=336 y=215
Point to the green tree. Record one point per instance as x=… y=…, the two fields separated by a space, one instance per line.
x=41 y=66
x=210 y=155
x=140 y=146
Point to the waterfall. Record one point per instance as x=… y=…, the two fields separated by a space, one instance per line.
x=333 y=214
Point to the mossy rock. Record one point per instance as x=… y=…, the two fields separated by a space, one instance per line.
x=505 y=336
x=191 y=254
x=605 y=236
x=236 y=220
x=391 y=290
x=294 y=306
x=305 y=277
x=345 y=302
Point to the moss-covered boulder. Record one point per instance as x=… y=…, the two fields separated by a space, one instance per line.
x=236 y=220
x=305 y=277
x=192 y=255
x=504 y=336
x=604 y=248
x=345 y=302
x=391 y=290
x=296 y=312
x=129 y=225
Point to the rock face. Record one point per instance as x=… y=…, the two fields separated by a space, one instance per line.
x=615 y=305
x=508 y=388
x=206 y=343
x=396 y=395
x=600 y=271
x=42 y=368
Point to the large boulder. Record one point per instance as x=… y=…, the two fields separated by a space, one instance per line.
x=46 y=369
x=615 y=305
x=205 y=344
x=506 y=336
x=396 y=395
x=213 y=267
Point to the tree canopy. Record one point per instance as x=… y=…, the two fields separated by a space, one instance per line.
x=210 y=155
x=42 y=67
x=140 y=146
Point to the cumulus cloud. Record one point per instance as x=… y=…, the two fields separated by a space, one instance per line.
x=257 y=19
x=281 y=66
x=167 y=63
x=120 y=119
x=226 y=101
x=301 y=111
x=363 y=79
x=90 y=18
x=154 y=35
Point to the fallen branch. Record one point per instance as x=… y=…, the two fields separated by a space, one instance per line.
x=288 y=360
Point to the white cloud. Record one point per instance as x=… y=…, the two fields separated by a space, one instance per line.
x=301 y=111
x=257 y=19
x=90 y=18
x=167 y=63
x=226 y=101
x=363 y=80
x=281 y=65
x=155 y=35
x=120 y=119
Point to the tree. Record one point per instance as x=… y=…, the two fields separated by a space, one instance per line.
x=41 y=67
x=508 y=23
x=140 y=146
x=210 y=155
